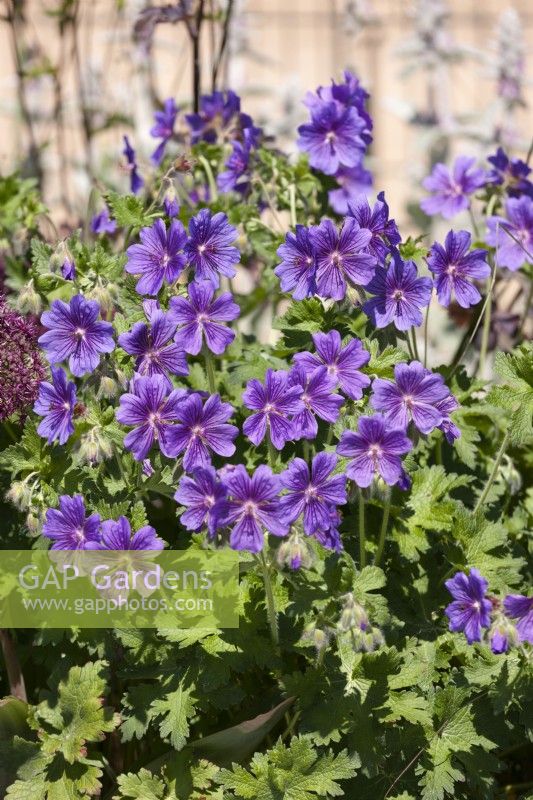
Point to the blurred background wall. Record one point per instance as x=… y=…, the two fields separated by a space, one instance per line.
x=443 y=77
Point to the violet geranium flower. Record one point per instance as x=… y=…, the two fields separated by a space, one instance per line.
x=209 y=247
x=520 y=607
x=200 y=317
x=399 y=295
x=342 y=362
x=384 y=231
x=150 y=409
x=447 y=406
x=376 y=449
x=205 y=499
x=512 y=172
x=158 y=258
x=56 y=403
x=69 y=528
x=163 y=129
x=253 y=507
x=319 y=400
x=297 y=271
x=353 y=182
x=412 y=395
x=470 y=609
x=236 y=176
x=451 y=189
x=102 y=223
x=116 y=535
x=341 y=257
x=273 y=403
x=202 y=428
x=452 y=265
x=512 y=235
x=332 y=137
x=312 y=492
x=75 y=333
x=136 y=181
x=152 y=345
x=217 y=112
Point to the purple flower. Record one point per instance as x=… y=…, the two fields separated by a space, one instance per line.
x=202 y=428
x=217 y=111
x=158 y=258
x=68 y=269
x=342 y=362
x=236 y=176
x=163 y=128
x=446 y=406
x=499 y=638
x=470 y=610
x=204 y=496
x=274 y=401
x=353 y=182
x=136 y=182
x=313 y=493
x=102 y=223
x=116 y=535
x=333 y=137
x=341 y=257
x=150 y=408
x=254 y=506
x=56 y=403
x=318 y=398
x=513 y=172
x=209 y=248
x=329 y=537
x=519 y=607
x=376 y=449
x=452 y=189
x=201 y=316
x=171 y=203
x=152 y=345
x=297 y=271
x=384 y=230
x=452 y=265
x=21 y=366
x=399 y=295
x=513 y=252
x=345 y=94
x=413 y=396
x=75 y=334
x=69 y=528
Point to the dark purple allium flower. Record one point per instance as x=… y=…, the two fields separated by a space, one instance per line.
x=470 y=610
x=236 y=176
x=297 y=271
x=56 y=403
x=68 y=269
x=513 y=172
x=452 y=265
x=318 y=398
x=353 y=182
x=451 y=190
x=312 y=492
x=376 y=449
x=254 y=506
x=21 y=367
x=150 y=408
x=136 y=181
x=399 y=295
x=274 y=401
x=204 y=496
x=333 y=138
x=341 y=257
x=151 y=344
x=209 y=247
x=158 y=258
x=171 y=203
x=412 y=396
x=517 y=223
x=69 y=528
x=102 y=223
x=202 y=428
x=201 y=316
x=75 y=333
x=217 y=112
x=342 y=362
x=384 y=230
x=163 y=129
x=446 y=407
x=519 y=607
x=116 y=535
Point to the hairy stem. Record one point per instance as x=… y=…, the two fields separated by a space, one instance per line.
x=500 y=454
x=362 y=534
x=269 y=595
x=210 y=370
x=486 y=330
x=383 y=531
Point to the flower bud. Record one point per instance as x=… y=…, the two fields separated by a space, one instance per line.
x=353 y=615
x=104 y=297
x=319 y=637
x=20 y=495
x=294 y=553
x=108 y=388
x=28 y=300
x=94 y=447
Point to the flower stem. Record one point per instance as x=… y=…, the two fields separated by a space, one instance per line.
x=307 y=451
x=362 y=535
x=426 y=335
x=292 y=200
x=210 y=178
x=272 y=453
x=486 y=329
x=210 y=371
x=415 y=345
x=271 y=607
x=383 y=531
x=500 y=454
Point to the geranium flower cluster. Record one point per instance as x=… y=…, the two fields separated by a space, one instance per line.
x=506 y=623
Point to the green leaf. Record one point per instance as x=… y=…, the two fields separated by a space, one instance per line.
x=128 y=210
x=516 y=393
x=176 y=708
x=143 y=786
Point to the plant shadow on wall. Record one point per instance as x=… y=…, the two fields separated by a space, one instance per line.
x=379 y=502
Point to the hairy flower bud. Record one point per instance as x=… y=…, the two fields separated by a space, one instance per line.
x=95 y=447
x=294 y=552
x=28 y=300
x=319 y=637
